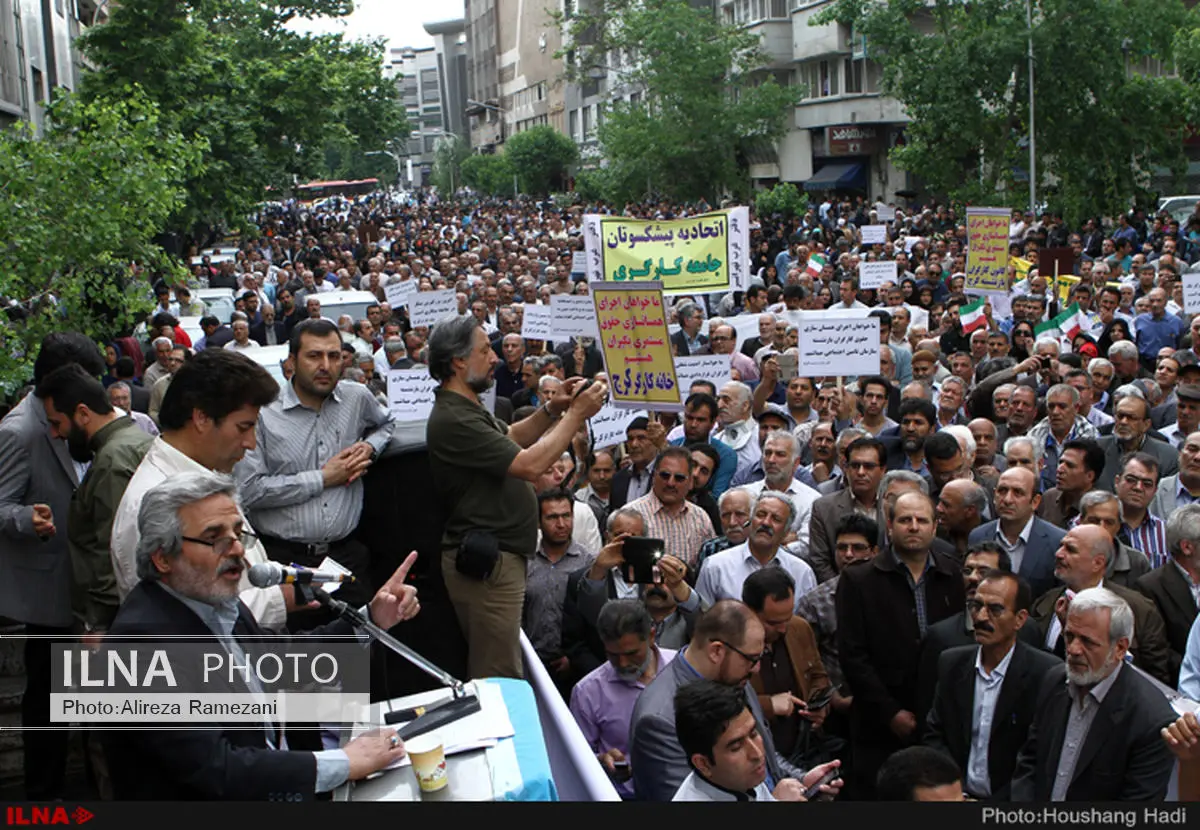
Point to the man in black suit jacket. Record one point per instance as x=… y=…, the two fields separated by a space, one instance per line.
x=1170 y=586
x=258 y=331
x=959 y=630
x=691 y=318
x=642 y=452
x=984 y=735
x=879 y=631
x=1120 y=754
x=190 y=558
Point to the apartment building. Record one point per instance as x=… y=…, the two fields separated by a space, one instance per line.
x=38 y=54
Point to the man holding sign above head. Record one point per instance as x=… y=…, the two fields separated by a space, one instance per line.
x=485 y=469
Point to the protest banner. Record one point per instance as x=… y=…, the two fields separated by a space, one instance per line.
x=838 y=346
x=427 y=307
x=572 y=315
x=987 y=250
x=535 y=323
x=697 y=255
x=711 y=367
x=578 y=263
x=400 y=293
x=609 y=424
x=410 y=394
x=632 y=321
x=874 y=234
x=1191 y=293
x=875 y=274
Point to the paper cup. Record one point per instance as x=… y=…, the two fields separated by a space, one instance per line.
x=428 y=761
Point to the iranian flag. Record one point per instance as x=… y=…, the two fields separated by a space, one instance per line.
x=1066 y=325
x=815 y=263
x=972 y=317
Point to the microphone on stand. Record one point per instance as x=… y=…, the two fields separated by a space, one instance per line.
x=268 y=574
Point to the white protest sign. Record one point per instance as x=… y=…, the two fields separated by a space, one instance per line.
x=427 y=307
x=537 y=321
x=875 y=274
x=909 y=241
x=874 y=234
x=609 y=425
x=711 y=367
x=838 y=346
x=410 y=394
x=579 y=262
x=885 y=213
x=1191 y=293
x=573 y=315
x=400 y=293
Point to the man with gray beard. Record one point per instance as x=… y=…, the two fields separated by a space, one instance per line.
x=1096 y=734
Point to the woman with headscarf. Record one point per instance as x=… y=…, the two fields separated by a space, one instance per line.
x=1117 y=330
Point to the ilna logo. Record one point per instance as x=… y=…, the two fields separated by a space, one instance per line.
x=47 y=815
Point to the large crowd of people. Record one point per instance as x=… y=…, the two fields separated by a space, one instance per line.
x=969 y=575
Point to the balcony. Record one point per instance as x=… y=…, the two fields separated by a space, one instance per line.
x=810 y=42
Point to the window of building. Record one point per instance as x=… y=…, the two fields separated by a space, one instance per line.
x=574 y=119
x=588 y=127
x=820 y=79
x=39 y=92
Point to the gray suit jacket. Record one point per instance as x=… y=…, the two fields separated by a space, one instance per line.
x=1037 y=566
x=1168 y=459
x=35 y=575
x=656 y=759
x=1165 y=501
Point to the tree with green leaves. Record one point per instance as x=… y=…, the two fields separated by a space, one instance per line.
x=960 y=70
x=489 y=173
x=449 y=153
x=707 y=96
x=782 y=200
x=267 y=100
x=82 y=206
x=540 y=156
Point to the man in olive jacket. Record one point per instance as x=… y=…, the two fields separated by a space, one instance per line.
x=78 y=410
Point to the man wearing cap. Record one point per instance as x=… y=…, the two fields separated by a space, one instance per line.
x=1187 y=414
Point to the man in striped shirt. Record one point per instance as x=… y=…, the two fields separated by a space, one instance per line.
x=669 y=516
x=1135 y=485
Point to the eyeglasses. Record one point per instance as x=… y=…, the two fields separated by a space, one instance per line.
x=757 y=658
x=994 y=610
x=679 y=477
x=222 y=546
x=1135 y=481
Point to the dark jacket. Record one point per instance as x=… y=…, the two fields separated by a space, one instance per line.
x=1168 y=459
x=619 y=495
x=1168 y=589
x=1149 y=647
x=679 y=341
x=156 y=764
x=952 y=632
x=879 y=640
x=948 y=726
x=258 y=332
x=1123 y=757
x=1037 y=566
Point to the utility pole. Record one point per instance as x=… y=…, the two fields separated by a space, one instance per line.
x=1032 y=143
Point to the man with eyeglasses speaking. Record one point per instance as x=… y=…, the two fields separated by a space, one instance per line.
x=726 y=647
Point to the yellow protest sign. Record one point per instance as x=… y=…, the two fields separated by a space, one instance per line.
x=1021 y=266
x=987 y=250
x=697 y=255
x=1066 y=284
x=636 y=344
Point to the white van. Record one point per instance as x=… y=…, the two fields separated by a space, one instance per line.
x=218 y=301
x=270 y=358
x=336 y=303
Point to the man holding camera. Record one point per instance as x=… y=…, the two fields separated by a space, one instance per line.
x=485 y=469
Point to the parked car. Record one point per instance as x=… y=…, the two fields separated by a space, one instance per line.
x=1180 y=207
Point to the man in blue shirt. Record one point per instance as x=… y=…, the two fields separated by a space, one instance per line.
x=699 y=417
x=1157 y=330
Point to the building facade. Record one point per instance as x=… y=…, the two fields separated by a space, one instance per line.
x=514 y=80
x=38 y=56
x=416 y=76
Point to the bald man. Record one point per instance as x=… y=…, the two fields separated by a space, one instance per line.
x=1080 y=563
x=1028 y=540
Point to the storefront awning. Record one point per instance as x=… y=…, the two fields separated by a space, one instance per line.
x=838 y=177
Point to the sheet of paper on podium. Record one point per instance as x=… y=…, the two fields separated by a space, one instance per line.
x=480 y=730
